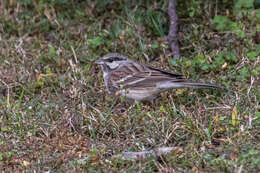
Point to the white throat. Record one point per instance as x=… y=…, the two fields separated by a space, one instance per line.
x=112 y=65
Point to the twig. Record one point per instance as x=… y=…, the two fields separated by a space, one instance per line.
x=2 y=5
x=74 y=55
x=240 y=169
x=144 y=154
x=220 y=107
x=98 y=111
x=173 y=32
x=8 y=93
x=251 y=84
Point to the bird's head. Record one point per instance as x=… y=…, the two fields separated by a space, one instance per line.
x=111 y=61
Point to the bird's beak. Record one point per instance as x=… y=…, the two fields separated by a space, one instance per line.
x=99 y=61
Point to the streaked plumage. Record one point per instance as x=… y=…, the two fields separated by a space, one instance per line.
x=140 y=82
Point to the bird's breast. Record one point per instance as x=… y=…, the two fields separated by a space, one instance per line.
x=139 y=94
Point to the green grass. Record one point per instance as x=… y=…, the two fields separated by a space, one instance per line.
x=56 y=115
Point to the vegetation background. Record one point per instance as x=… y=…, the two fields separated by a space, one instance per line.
x=55 y=114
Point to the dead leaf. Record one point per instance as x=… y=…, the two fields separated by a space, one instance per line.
x=234 y=117
x=26 y=163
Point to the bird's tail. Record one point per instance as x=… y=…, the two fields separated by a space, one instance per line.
x=184 y=84
x=200 y=85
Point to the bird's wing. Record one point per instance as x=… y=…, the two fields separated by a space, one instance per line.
x=139 y=75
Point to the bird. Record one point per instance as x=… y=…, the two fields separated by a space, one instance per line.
x=140 y=82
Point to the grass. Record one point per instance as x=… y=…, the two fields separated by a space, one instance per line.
x=55 y=114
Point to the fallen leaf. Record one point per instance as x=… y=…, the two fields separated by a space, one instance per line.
x=234 y=117
x=224 y=65
x=26 y=163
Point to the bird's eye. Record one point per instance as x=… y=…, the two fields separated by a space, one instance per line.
x=118 y=59
x=114 y=59
x=110 y=60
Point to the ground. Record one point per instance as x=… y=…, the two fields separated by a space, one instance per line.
x=55 y=114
